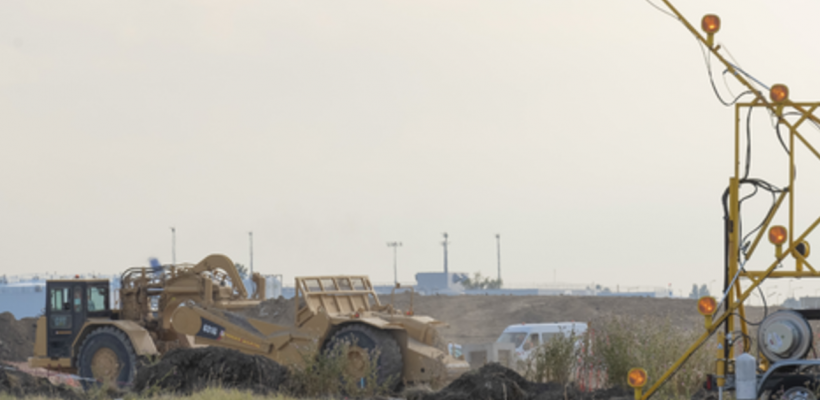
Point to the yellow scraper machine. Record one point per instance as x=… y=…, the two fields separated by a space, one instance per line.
x=784 y=338
x=183 y=306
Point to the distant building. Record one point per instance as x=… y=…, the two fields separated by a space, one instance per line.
x=448 y=283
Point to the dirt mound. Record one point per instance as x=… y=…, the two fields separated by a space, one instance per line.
x=481 y=319
x=186 y=371
x=495 y=382
x=277 y=311
x=16 y=337
x=19 y=384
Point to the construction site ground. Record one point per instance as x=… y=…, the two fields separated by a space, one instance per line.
x=481 y=319
x=472 y=320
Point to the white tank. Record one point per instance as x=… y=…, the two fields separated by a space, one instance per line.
x=745 y=377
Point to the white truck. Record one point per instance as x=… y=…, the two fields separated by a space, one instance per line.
x=526 y=337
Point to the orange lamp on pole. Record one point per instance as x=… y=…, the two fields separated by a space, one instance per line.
x=779 y=93
x=710 y=23
x=707 y=305
x=777 y=236
x=636 y=378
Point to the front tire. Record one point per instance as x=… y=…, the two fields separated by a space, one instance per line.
x=107 y=357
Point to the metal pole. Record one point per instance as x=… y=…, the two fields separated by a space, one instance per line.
x=173 y=246
x=250 y=238
x=395 y=245
x=444 y=243
x=498 y=247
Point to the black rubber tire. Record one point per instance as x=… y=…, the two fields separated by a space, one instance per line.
x=798 y=392
x=389 y=363
x=119 y=343
x=792 y=382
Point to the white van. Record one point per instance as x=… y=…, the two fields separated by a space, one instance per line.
x=526 y=337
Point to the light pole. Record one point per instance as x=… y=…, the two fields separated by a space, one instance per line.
x=173 y=246
x=395 y=246
x=250 y=239
x=444 y=243
x=498 y=249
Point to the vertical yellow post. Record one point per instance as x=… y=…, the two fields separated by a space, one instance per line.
x=741 y=309
x=737 y=140
x=725 y=351
x=798 y=266
x=721 y=359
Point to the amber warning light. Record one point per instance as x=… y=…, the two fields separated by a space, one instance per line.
x=707 y=305
x=710 y=23
x=636 y=377
x=777 y=235
x=779 y=93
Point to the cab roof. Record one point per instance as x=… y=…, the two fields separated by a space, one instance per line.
x=545 y=327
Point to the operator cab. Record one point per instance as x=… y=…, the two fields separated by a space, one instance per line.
x=69 y=303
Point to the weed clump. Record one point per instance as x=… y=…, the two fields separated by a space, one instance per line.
x=327 y=373
x=614 y=345
x=555 y=360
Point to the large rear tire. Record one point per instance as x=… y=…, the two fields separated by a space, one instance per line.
x=365 y=341
x=107 y=357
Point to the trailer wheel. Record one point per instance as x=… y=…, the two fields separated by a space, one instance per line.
x=363 y=342
x=798 y=393
x=107 y=357
x=794 y=387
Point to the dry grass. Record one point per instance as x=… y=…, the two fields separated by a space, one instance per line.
x=553 y=361
x=614 y=345
x=323 y=374
x=207 y=394
x=618 y=344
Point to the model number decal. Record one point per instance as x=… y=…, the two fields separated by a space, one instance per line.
x=210 y=330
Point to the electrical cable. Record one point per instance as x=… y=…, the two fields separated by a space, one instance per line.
x=726 y=71
x=707 y=59
x=748 y=143
x=769 y=188
x=747 y=340
x=780 y=137
x=662 y=10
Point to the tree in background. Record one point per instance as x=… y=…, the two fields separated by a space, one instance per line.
x=480 y=282
x=697 y=293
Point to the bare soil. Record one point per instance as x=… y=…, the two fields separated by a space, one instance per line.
x=494 y=382
x=16 y=337
x=481 y=319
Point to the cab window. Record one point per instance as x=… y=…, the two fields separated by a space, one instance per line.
x=531 y=342
x=78 y=299
x=60 y=299
x=97 y=298
x=515 y=338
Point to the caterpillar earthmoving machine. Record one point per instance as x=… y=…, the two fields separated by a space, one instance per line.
x=187 y=306
x=81 y=333
x=331 y=311
x=784 y=338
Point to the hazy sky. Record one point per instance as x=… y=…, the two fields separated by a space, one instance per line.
x=584 y=132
